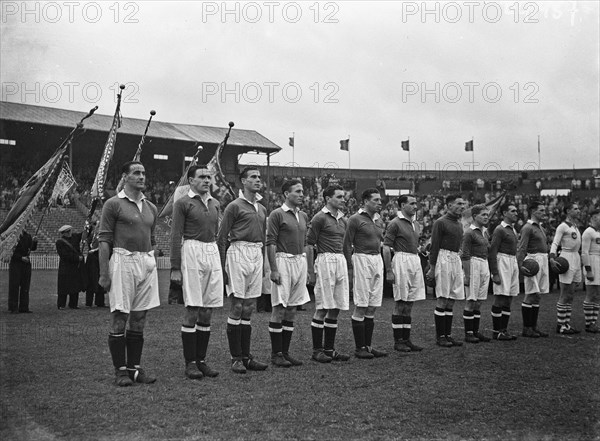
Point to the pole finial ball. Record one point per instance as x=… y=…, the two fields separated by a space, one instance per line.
x=153 y=112
x=231 y=124
x=200 y=148
x=122 y=86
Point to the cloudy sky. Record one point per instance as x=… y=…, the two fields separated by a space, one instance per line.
x=436 y=73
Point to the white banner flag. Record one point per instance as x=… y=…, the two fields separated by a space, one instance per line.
x=64 y=183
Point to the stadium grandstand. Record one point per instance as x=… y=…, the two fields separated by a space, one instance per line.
x=30 y=134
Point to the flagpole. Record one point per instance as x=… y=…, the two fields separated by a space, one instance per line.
x=349 y=165
x=409 y=151
x=294 y=149
x=473 y=154
x=539 y=155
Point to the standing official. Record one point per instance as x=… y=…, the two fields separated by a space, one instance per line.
x=196 y=266
x=93 y=290
x=404 y=272
x=533 y=244
x=474 y=255
x=446 y=268
x=286 y=240
x=243 y=228
x=19 y=274
x=332 y=294
x=128 y=271
x=70 y=267
x=569 y=238
x=362 y=248
x=505 y=271
x=590 y=257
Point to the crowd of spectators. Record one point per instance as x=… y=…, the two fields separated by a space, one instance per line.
x=431 y=206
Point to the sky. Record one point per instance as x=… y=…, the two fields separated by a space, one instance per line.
x=435 y=73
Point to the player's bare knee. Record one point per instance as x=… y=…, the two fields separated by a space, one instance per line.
x=235 y=308
x=333 y=314
x=248 y=307
x=204 y=315
x=289 y=313
x=118 y=322
x=320 y=314
x=277 y=313
x=137 y=321
x=359 y=311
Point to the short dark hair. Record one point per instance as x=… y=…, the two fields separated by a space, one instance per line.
x=594 y=212
x=569 y=206
x=403 y=199
x=192 y=170
x=246 y=170
x=504 y=207
x=452 y=197
x=330 y=190
x=477 y=209
x=533 y=205
x=367 y=194
x=127 y=166
x=288 y=184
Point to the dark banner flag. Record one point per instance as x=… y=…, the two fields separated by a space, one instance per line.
x=220 y=189
x=291 y=141
x=405 y=146
x=38 y=187
x=345 y=144
x=97 y=192
x=469 y=146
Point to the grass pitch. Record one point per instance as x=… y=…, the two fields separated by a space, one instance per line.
x=57 y=381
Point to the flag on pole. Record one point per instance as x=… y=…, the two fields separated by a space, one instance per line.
x=405 y=145
x=291 y=141
x=220 y=188
x=538 y=145
x=97 y=191
x=138 y=152
x=64 y=183
x=345 y=144
x=29 y=196
x=469 y=146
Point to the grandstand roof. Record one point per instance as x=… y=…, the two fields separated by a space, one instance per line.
x=27 y=113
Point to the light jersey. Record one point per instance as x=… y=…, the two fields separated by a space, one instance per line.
x=590 y=245
x=568 y=237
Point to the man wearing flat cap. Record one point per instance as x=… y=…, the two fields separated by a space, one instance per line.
x=69 y=267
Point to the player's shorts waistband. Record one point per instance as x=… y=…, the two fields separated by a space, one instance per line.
x=537 y=255
x=290 y=256
x=404 y=253
x=124 y=252
x=448 y=252
x=199 y=241
x=507 y=255
x=479 y=259
x=243 y=243
x=563 y=251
